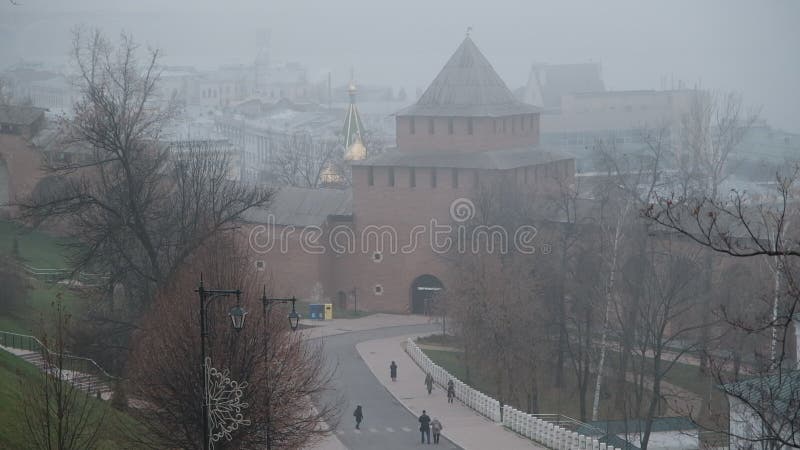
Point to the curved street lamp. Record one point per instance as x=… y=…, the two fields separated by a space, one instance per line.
x=294 y=317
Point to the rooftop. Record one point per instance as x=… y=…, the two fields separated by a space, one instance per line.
x=302 y=207
x=468 y=86
x=498 y=160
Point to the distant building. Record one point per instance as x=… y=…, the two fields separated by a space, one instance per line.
x=262 y=137
x=199 y=137
x=549 y=83
x=41 y=88
x=616 y=117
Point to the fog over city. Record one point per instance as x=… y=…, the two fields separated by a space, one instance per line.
x=736 y=45
x=365 y=224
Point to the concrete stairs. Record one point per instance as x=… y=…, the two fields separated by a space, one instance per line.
x=90 y=384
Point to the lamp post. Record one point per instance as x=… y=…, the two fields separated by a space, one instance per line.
x=294 y=318
x=237 y=315
x=294 y=323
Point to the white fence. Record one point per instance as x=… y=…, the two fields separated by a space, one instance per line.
x=542 y=432
x=549 y=434
x=480 y=402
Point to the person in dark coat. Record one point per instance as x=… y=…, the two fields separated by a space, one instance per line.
x=393 y=371
x=425 y=426
x=451 y=391
x=359 y=415
x=429 y=383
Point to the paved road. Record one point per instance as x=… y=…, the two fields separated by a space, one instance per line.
x=387 y=424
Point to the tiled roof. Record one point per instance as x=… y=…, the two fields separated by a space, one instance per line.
x=303 y=207
x=20 y=115
x=498 y=160
x=780 y=393
x=468 y=86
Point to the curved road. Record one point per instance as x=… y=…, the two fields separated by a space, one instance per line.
x=387 y=424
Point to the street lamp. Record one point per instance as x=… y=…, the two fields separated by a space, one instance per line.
x=294 y=323
x=294 y=318
x=237 y=315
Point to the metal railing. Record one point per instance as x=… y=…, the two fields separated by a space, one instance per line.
x=72 y=363
x=58 y=275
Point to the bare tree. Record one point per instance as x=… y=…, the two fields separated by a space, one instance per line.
x=58 y=415
x=661 y=289
x=285 y=374
x=136 y=208
x=303 y=160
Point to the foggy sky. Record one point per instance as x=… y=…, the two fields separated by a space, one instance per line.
x=750 y=47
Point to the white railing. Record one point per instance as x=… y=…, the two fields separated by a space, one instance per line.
x=548 y=434
x=478 y=401
x=59 y=275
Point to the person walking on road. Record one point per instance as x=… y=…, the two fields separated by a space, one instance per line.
x=429 y=383
x=393 y=371
x=436 y=429
x=359 y=415
x=425 y=426
x=451 y=391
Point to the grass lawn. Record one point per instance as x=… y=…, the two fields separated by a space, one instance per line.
x=552 y=400
x=12 y=427
x=37 y=249
x=40 y=250
x=27 y=317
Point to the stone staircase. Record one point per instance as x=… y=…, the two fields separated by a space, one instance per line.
x=83 y=373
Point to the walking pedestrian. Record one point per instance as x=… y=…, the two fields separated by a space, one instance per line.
x=429 y=383
x=436 y=429
x=359 y=415
x=451 y=391
x=393 y=371
x=425 y=426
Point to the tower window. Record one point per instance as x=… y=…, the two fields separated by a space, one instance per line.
x=450 y=125
x=370 y=176
x=412 y=177
x=412 y=126
x=494 y=126
x=522 y=123
x=433 y=177
x=391 y=176
x=476 y=178
x=430 y=126
x=469 y=125
x=455 y=178
x=533 y=118
x=513 y=125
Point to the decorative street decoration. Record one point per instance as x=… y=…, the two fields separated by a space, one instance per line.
x=225 y=403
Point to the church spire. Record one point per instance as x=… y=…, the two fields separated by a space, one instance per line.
x=353 y=130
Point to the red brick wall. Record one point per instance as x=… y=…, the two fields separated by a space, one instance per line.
x=488 y=133
x=24 y=165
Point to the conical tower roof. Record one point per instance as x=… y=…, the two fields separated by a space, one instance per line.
x=468 y=86
x=353 y=128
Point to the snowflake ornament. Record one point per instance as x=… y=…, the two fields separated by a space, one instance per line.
x=225 y=403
